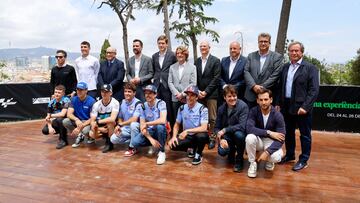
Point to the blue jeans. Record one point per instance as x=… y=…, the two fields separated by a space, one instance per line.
x=236 y=142
x=157 y=132
x=126 y=135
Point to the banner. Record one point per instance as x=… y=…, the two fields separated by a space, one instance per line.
x=337 y=109
x=23 y=101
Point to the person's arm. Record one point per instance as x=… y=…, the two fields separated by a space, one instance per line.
x=128 y=71
x=118 y=81
x=249 y=80
x=251 y=127
x=222 y=74
x=173 y=142
x=60 y=114
x=241 y=118
x=163 y=113
x=149 y=75
x=171 y=85
x=312 y=90
x=96 y=68
x=72 y=81
x=214 y=83
x=274 y=77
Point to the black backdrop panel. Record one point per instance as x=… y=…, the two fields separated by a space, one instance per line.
x=337 y=109
x=23 y=101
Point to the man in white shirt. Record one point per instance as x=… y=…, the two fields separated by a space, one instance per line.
x=87 y=68
x=139 y=70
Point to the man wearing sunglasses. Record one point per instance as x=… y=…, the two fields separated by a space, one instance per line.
x=63 y=74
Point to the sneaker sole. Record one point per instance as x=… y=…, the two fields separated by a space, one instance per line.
x=252 y=175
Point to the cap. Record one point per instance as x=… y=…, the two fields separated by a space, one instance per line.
x=106 y=87
x=192 y=89
x=150 y=88
x=82 y=86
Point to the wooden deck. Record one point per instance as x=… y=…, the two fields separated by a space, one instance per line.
x=32 y=170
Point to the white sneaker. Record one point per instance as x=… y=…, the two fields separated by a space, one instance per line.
x=161 y=158
x=151 y=150
x=252 y=172
x=269 y=166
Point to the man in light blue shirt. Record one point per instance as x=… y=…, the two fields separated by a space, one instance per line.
x=194 y=119
x=128 y=119
x=152 y=124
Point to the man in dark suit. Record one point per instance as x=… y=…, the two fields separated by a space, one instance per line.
x=299 y=84
x=208 y=77
x=262 y=69
x=112 y=72
x=232 y=71
x=161 y=61
x=139 y=70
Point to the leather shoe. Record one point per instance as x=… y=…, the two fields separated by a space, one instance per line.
x=299 y=165
x=61 y=144
x=108 y=148
x=287 y=159
x=238 y=167
x=211 y=144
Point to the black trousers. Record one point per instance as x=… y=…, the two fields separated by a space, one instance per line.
x=58 y=127
x=196 y=141
x=165 y=95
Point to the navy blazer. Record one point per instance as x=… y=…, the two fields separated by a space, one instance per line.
x=275 y=123
x=305 y=88
x=237 y=77
x=163 y=72
x=208 y=80
x=113 y=74
x=236 y=121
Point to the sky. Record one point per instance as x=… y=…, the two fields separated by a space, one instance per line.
x=329 y=29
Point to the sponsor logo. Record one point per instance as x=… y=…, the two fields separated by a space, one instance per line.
x=6 y=102
x=41 y=100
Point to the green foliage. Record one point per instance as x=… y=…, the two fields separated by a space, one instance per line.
x=340 y=73
x=192 y=22
x=325 y=76
x=355 y=70
x=105 y=45
x=3 y=76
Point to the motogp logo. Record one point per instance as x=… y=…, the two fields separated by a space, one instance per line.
x=4 y=103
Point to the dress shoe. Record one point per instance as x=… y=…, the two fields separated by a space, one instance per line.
x=287 y=159
x=61 y=144
x=238 y=167
x=299 y=165
x=108 y=148
x=211 y=144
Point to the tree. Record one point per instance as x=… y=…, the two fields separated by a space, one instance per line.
x=283 y=26
x=162 y=6
x=105 y=45
x=3 y=76
x=355 y=70
x=325 y=76
x=195 y=21
x=124 y=9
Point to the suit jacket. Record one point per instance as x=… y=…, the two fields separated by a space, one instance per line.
x=268 y=76
x=178 y=85
x=113 y=74
x=208 y=80
x=236 y=121
x=305 y=87
x=255 y=125
x=146 y=71
x=237 y=77
x=162 y=73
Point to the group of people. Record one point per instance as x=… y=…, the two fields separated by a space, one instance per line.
x=252 y=103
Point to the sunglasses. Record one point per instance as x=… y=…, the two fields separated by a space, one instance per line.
x=59 y=57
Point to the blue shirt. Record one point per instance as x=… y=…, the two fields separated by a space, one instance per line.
x=82 y=109
x=56 y=107
x=152 y=113
x=192 y=117
x=130 y=109
x=290 y=77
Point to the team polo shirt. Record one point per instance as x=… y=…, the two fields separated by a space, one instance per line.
x=192 y=117
x=130 y=109
x=152 y=113
x=82 y=109
x=56 y=107
x=102 y=111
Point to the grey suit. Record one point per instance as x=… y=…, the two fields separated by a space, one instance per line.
x=268 y=76
x=146 y=73
x=178 y=85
